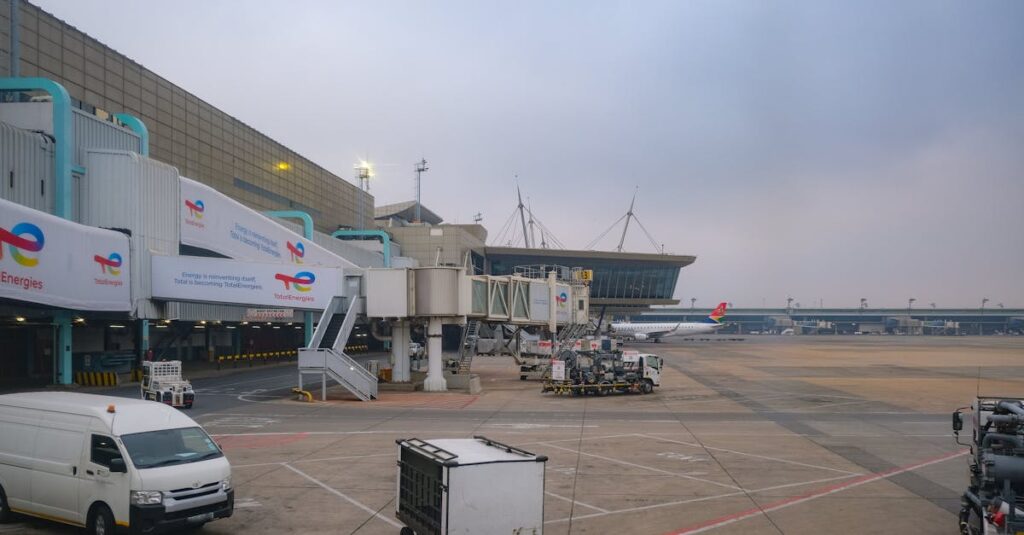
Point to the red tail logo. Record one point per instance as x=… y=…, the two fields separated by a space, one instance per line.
x=719 y=312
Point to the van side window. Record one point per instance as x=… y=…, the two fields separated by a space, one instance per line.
x=103 y=450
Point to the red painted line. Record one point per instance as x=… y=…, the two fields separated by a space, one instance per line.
x=818 y=493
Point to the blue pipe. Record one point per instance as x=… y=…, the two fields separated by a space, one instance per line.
x=307 y=221
x=136 y=125
x=385 y=240
x=63 y=134
x=307 y=231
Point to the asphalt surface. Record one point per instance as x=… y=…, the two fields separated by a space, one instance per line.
x=765 y=435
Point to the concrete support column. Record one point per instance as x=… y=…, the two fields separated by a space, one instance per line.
x=62 y=319
x=307 y=322
x=400 y=362
x=435 y=381
x=143 y=340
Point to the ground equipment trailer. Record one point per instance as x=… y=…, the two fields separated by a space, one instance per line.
x=469 y=486
x=602 y=373
x=992 y=503
x=162 y=381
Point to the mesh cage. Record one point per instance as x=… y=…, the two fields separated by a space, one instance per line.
x=420 y=493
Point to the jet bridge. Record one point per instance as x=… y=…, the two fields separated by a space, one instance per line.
x=440 y=295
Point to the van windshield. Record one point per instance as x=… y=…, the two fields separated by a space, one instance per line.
x=168 y=447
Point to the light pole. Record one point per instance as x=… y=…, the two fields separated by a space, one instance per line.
x=980 y=327
x=910 y=305
x=421 y=167
x=693 y=300
x=364 y=171
x=789 y=305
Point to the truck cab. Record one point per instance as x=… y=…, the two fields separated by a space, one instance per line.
x=646 y=365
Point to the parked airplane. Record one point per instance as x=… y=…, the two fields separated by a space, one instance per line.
x=657 y=331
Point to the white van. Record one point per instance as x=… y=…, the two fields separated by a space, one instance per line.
x=106 y=463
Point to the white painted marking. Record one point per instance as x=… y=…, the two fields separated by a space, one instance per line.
x=343 y=496
x=701 y=499
x=341 y=458
x=577 y=502
x=765 y=457
x=829 y=492
x=537 y=426
x=247 y=502
x=248 y=422
x=626 y=463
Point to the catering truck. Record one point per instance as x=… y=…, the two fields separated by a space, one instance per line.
x=107 y=464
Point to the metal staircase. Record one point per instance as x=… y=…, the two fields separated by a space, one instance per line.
x=570 y=333
x=331 y=333
x=470 y=337
x=326 y=354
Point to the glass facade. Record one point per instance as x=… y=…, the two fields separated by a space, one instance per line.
x=613 y=279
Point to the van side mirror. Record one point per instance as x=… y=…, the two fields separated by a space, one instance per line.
x=958 y=421
x=117 y=466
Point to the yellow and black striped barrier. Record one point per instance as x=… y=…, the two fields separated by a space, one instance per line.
x=264 y=357
x=136 y=374
x=96 y=378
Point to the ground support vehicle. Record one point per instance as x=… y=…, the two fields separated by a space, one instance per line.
x=992 y=503
x=108 y=464
x=602 y=373
x=162 y=381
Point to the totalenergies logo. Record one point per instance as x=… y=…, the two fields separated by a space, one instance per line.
x=195 y=208
x=561 y=299
x=302 y=280
x=110 y=265
x=297 y=250
x=23 y=237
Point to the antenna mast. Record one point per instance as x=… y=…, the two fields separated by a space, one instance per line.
x=421 y=167
x=629 y=215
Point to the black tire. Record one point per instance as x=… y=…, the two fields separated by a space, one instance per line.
x=5 y=512
x=407 y=531
x=101 y=521
x=647 y=387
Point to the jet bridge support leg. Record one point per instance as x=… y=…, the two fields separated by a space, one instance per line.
x=435 y=381
x=400 y=352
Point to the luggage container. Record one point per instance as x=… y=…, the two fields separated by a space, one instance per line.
x=469 y=486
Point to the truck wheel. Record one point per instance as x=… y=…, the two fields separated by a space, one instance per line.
x=647 y=387
x=101 y=521
x=5 y=511
x=407 y=531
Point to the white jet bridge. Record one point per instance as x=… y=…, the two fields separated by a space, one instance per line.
x=435 y=296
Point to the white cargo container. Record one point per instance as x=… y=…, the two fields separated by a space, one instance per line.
x=469 y=486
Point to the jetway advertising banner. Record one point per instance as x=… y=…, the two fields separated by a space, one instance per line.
x=48 y=260
x=214 y=221
x=219 y=280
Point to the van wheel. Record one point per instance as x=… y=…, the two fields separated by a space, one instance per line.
x=101 y=521
x=5 y=511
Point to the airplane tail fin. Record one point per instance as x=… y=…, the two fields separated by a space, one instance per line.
x=717 y=315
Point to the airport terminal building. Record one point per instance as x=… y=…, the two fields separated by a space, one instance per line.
x=138 y=221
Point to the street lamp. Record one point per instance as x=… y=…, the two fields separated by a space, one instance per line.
x=980 y=328
x=692 y=301
x=364 y=171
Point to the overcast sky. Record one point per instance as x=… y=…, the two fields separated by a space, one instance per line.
x=824 y=150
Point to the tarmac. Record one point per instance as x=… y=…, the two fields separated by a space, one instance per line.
x=798 y=434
